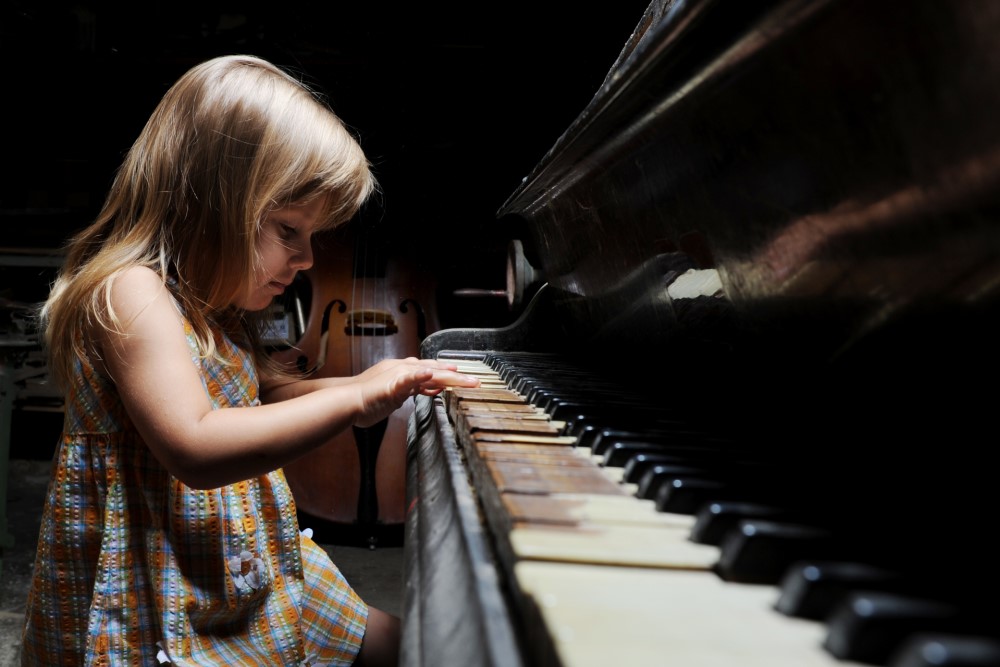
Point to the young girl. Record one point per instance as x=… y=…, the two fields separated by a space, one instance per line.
x=169 y=533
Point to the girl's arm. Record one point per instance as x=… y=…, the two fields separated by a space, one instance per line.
x=281 y=389
x=150 y=362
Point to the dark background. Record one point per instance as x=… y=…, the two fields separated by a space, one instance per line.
x=453 y=103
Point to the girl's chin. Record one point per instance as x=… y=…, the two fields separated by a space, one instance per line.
x=256 y=303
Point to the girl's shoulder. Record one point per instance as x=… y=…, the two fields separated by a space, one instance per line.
x=138 y=278
x=141 y=315
x=135 y=288
x=141 y=303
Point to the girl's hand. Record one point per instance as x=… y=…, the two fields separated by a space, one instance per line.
x=387 y=364
x=385 y=386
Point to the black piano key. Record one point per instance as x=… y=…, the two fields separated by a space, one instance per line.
x=659 y=474
x=564 y=409
x=714 y=520
x=760 y=551
x=588 y=425
x=686 y=495
x=639 y=463
x=728 y=482
x=813 y=589
x=947 y=650
x=871 y=626
x=542 y=393
x=617 y=453
x=596 y=440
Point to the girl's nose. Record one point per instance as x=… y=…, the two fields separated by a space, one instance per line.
x=303 y=259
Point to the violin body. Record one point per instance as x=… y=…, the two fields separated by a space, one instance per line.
x=363 y=307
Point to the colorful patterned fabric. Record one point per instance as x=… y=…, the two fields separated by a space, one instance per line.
x=135 y=568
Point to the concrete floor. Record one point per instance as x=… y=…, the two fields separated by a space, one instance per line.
x=377 y=575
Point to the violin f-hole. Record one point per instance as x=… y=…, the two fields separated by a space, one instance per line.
x=370 y=322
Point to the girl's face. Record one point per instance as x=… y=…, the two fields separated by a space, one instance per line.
x=285 y=248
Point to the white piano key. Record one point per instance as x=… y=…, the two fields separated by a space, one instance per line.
x=598 y=615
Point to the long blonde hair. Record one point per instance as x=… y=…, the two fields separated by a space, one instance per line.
x=234 y=138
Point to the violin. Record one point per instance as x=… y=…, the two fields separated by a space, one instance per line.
x=357 y=305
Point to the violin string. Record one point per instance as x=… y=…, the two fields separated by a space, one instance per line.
x=357 y=276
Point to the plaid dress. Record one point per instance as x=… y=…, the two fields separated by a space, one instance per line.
x=135 y=568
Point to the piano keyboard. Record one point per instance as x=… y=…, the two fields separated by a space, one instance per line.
x=602 y=576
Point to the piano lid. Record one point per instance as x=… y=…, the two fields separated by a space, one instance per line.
x=835 y=162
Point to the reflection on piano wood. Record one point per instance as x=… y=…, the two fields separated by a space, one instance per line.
x=768 y=252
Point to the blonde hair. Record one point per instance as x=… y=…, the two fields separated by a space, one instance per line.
x=234 y=138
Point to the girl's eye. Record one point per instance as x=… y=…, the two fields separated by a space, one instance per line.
x=287 y=231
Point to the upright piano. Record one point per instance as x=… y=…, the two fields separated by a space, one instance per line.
x=745 y=414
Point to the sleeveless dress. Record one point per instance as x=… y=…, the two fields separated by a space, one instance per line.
x=135 y=568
